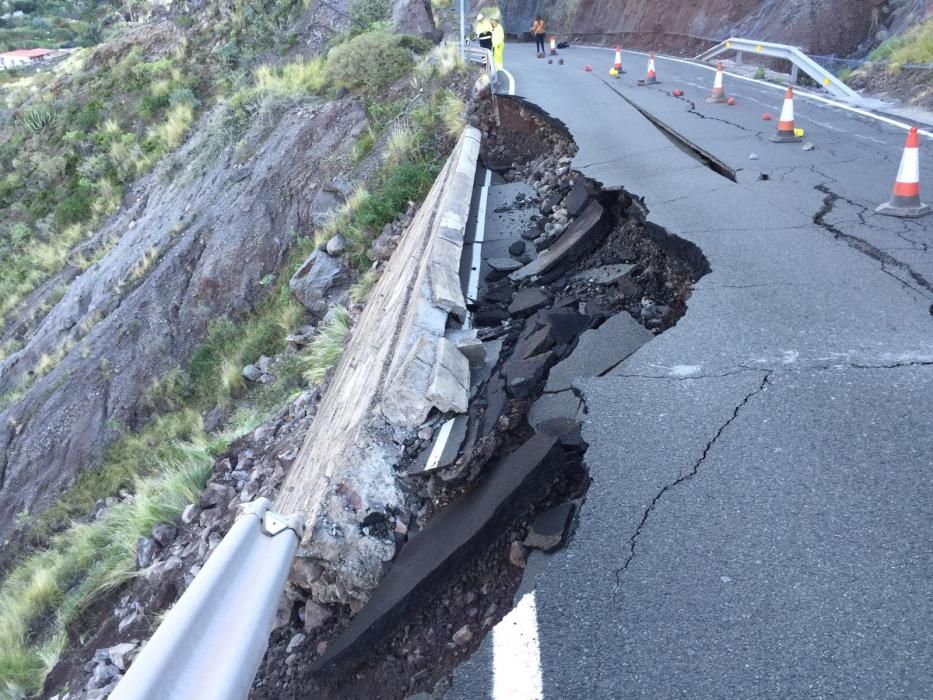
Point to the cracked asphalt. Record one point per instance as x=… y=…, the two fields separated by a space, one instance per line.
x=759 y=522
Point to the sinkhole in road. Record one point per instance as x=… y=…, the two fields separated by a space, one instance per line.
x=573 y=280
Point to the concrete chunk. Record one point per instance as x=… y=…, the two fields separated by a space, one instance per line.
x=449 y=388
x=446 y=292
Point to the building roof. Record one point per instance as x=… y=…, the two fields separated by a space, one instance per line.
x=27 y=53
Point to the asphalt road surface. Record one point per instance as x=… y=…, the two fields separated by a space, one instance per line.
x=760 y=518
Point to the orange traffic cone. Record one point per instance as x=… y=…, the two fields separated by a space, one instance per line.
x=905 y=200
x=652 y=78
x=718 y=94
x=785 y=131
x=553 y=45
x=616 y=69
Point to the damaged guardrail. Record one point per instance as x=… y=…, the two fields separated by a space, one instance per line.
x=212 y=641
x=799 y=60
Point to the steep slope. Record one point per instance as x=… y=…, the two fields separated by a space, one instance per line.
x=207 y=242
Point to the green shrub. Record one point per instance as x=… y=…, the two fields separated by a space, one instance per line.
x=75 y=208
x=37 y=119
x=417 y=44
x=369 y=12
x=368 y=63
x=760 y=73
x=228 y=54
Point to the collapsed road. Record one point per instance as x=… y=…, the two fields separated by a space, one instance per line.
x=758 y=522
x=562 y=279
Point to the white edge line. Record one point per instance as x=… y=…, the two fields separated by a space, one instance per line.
x=516 y=659
x=476 y=260
x=443 y=436
x=797 y=91
x=511 y=81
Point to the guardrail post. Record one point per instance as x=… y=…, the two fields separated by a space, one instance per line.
x=794 y=73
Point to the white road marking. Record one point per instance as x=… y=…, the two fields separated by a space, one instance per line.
x=443 y=436
x=511 y=81
x=476 y=260
x=797 y=91
x=516 y=662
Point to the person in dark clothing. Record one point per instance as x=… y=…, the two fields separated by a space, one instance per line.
x=537 y=28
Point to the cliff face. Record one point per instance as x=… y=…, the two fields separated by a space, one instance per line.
x=819 y=26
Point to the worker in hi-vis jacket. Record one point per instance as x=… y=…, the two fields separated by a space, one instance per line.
x=498 y=42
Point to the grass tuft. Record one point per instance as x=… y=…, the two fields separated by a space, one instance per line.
x=327 y=347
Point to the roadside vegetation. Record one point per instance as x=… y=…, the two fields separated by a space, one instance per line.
x=66 y=166
x=915 y=46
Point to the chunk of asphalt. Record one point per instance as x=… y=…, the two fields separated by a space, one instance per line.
x=547 y=328
x=527 y=301
x=490 y=316
x=503 y=264
x=563 y=404
x=599 y=350
x=517 y=248
x=522 y=376
x=581 y=236
x=548 y=530
x=497 y=403
x=512 y=484
x=607 y=274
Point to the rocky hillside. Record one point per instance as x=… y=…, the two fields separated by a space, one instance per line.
x=158 y=193
x=820 y=26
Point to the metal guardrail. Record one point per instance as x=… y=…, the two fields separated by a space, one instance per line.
x=798 y=59
x=477 y=54
x=211 y=643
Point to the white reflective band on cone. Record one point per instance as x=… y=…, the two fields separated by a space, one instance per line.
x=909 y=172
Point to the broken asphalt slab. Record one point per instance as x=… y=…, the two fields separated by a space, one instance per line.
x=599 y=350
x=513 y=484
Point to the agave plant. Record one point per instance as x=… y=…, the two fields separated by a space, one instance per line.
x=37 y=118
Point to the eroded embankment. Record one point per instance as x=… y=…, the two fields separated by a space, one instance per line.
x=572 y=281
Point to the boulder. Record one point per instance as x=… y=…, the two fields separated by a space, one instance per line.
x=336 y=245
x=164 y=534
x=324 y=206
x=252 y=373
x=143 y=552
x=414 y=17
x=319 y=275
